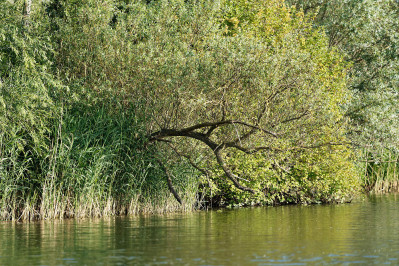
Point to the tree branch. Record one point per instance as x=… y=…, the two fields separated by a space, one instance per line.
x=216 y=148
x=204 y=171
x=294 y=118
x=229 y=174
x=169 y=181
x=213 y=125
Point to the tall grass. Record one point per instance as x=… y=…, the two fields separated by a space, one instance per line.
x=96 y=165
x=380 y=171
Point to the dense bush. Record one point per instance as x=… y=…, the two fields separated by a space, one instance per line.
x=367 y=34
x=107 y=106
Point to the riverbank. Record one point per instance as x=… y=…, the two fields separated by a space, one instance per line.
x=125 y=107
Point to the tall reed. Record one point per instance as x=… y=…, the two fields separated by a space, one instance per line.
x=96 y=165
x=380 y=170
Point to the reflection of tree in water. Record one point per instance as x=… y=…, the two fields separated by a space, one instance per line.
x=280 y=231
x=377 y=228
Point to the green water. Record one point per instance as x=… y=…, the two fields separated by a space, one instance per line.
x=365 y=232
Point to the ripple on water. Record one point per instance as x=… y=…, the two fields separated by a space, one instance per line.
x=358 y=233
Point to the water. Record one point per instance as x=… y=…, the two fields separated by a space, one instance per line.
x=363 y=233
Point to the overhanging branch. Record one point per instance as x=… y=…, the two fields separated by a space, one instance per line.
x=212 y=125
x=169 y=181
x=230 y=174
x=218 y=147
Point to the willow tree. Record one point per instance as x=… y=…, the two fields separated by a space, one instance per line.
x=217 y=80
x=367 y=32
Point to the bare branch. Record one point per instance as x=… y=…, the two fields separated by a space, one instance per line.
x=210 y=130
x=169 y=181
x=204 y=171
x=185 y=131
x=217 y=148
x=242 y=138
x=295 y=118
x=256 y=127
x=229 y=174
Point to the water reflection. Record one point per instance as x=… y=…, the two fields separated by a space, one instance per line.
x=363 y=232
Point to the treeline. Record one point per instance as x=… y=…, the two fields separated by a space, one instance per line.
x=117 y=107
x=367 y=34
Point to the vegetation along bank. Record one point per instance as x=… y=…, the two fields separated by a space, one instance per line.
x=114 y=107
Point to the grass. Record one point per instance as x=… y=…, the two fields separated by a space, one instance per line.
x=380 y=171
x=95 y=165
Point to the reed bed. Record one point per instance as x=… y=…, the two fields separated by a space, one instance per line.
x=95 y=165
x=380 y=171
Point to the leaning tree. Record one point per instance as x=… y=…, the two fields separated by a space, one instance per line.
x=217 y=79
x=238 y=77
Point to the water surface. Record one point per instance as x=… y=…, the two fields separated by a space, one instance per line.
x=365 y=232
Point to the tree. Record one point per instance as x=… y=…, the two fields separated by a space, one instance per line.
x=367 y=32
x=267 y=82
x=215 y=78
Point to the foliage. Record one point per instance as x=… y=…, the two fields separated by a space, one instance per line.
x=117 y=101
x=26 y=105
x=69 y=153
x=294 y=175
x=26 y=83
x=367 y=31
x=274 y=87
x=100 y=164
x=187 y=69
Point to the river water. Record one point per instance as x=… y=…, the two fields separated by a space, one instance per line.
x=364 y=233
